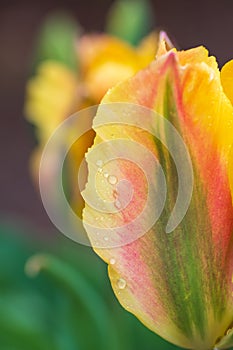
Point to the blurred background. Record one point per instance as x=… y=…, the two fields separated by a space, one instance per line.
x=189 y=23
x=70 y=304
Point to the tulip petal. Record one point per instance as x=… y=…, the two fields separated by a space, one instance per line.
x=177 y=284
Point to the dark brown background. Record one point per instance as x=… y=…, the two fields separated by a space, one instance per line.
x=191 y=23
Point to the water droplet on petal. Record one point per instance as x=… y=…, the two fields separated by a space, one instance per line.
x=117 y=204
x=112 y=261
x=112 y=179
x=106 y=174
x=99 y=163
x=121 y=283
x=106 y=238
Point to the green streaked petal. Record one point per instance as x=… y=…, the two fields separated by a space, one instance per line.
x=178 y=284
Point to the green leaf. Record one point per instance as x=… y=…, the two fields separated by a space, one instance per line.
x=82 y=293
x=43 y=313
x=22 y=321
x=130 y=20
x=56 y=40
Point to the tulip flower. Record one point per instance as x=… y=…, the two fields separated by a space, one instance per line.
x=178 y=284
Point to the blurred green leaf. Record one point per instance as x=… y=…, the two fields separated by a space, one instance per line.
x=70 y=305
x=83 y=295
x=56 y=40
x=22 y=321
x=130 y=20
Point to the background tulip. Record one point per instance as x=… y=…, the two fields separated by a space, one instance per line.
x=73 y=72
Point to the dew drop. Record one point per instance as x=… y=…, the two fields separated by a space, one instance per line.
x=117 y=204
x=112 y=261
x=99 y=163
x=106 y=175
x=121 y=283
x=112 y=179
x=106 y=238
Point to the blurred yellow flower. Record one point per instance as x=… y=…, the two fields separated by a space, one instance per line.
x=56 y=91
x=107 y=60
x=51 y=96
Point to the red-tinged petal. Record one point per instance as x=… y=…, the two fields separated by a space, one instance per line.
x=178 y=284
